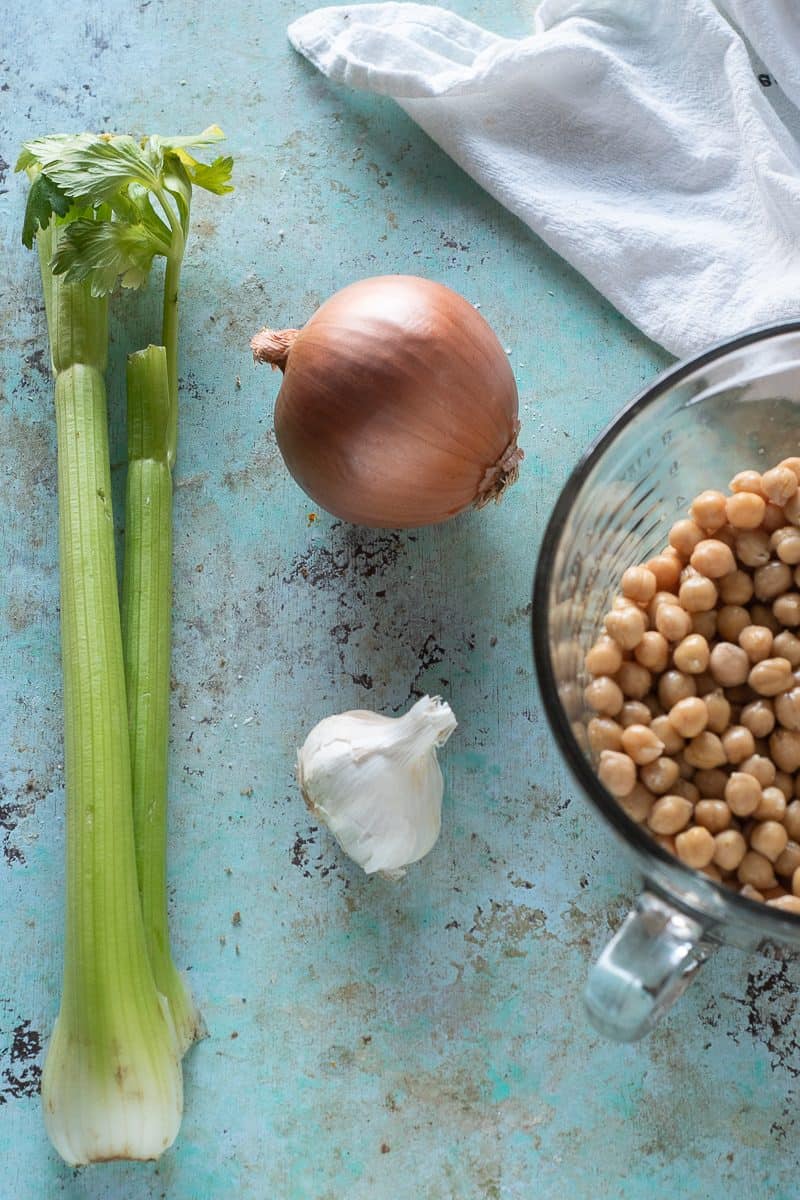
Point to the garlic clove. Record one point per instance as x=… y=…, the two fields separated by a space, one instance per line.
x=376 y=783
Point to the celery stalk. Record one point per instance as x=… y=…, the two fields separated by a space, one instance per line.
x=146 y=608
x=112 y=1085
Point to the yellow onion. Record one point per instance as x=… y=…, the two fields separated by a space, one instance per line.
x=398 y=407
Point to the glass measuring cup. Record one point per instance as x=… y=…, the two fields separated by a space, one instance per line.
x=735 y=406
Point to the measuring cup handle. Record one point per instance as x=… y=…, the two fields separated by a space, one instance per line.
x=646 y=966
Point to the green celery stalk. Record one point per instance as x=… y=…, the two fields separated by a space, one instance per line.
x=124 y=201
x=146 y=627
x=112 y=1085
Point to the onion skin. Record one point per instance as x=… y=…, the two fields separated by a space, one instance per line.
x=398 y=406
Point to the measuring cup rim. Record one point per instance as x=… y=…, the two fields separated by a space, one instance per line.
x=774 y=919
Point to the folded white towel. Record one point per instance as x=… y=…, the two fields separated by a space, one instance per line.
x=652 y=145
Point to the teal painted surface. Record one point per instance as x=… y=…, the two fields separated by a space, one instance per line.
x=418 y=1042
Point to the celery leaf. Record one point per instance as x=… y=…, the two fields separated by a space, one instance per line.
x=92 y=168
x=45 y=198
x=214 y=177
x=105 y=251
x=207 y=138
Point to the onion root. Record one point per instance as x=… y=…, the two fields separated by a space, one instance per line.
x=272 y=346
x=501 y=476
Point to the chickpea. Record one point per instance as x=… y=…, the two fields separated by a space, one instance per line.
x=697 y=594
x=787 y=709
x=637 y=804
x=663 y=728
x=771 y=580
x=604 y=696
x=758 y=717
x=641 y=744
x=666 y=570
x=752 y=893
x=604 y=658
x=791 y=820
x=691 y=655
x=672 y=622
x=626 y=626
x=729 y=849
x=688 y=717
x=669 y=815
x=634 y=679
x=788 y=861
x=719 y=711
x=756 y=641
x=787 y=645
x=684 y=536
x=705 y=750
x=713 y=872
x=705 y=624
x=685 y=769
x=658 y=599
x=762 y=614
x=747 y=481
x=789 y=904
x=786 y=544
x=711 y=781
x=756 y=870
x=791 y=509
x=634 y=712
x=786 y=609
x=695 y=847
x=712 y=558
x=738 y=743
x=752 y=548
x=760 y=767
x=779 y=485
x=674 y=686
x=653 y=651
x=659 y=776
x=796 y=883
x=770 y=839
x=731 y=620
x=771 y=677
x=773 y=518
x=638 y=584
x=688 y=789
x=793 y=463
x=784 y=746
x=729 y=664
x=713 y=815
x=604 y=734
x=736 y=588
x=771 y=806
x=617 y=772
x=742 y=794
x=705 y=683
x=745 y=510
x=708 y=511
x=785 y=784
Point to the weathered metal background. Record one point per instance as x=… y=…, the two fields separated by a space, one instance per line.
x=423 y=1041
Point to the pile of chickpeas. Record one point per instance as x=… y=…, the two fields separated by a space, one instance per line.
x=695 y=686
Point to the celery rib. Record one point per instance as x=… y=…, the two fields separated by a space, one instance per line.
x=146 y=626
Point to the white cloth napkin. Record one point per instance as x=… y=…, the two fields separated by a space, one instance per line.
x=652 y=144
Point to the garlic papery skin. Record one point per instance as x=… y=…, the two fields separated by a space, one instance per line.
x=375 y=782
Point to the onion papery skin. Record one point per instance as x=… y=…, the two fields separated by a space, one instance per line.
x=398 y=406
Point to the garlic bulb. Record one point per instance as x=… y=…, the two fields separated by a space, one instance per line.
x=375 y=782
